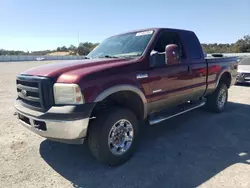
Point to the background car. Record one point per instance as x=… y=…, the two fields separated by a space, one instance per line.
x=243 y=75
x=40 y=58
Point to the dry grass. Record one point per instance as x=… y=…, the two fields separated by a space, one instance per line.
x=58 y=53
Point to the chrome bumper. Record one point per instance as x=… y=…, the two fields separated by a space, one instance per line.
x=62 y=131
x=71 y=131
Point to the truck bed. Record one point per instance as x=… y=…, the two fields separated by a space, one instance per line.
x=211 y=58
x=223 y=63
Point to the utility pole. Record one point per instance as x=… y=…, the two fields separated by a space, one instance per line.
x=78 y=41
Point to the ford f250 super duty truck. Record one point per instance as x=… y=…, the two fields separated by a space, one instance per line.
x=151 y=74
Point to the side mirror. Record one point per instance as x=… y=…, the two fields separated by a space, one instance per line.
x=172 y=54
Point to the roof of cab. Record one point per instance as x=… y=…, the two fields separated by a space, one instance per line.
x=157 y=29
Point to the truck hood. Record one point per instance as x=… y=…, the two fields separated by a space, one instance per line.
x=72 y=70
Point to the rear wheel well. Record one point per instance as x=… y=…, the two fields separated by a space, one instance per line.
x=125 y=99
x=226 y=79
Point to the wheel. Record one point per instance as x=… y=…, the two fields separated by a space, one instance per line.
x=113 y=135
x=217 y=101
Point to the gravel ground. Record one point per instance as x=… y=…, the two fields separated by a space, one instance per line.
x=197 y=149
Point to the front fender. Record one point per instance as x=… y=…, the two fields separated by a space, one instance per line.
x=124 y=87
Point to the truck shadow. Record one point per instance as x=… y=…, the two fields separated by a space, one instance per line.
x=243 y=84
x=182 y=152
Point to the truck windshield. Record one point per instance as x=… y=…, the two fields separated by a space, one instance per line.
x=122 y=46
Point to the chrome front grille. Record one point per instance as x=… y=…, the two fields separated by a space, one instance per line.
x=35 y=92
x=246 y=74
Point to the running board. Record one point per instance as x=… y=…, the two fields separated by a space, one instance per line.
x=169 y=115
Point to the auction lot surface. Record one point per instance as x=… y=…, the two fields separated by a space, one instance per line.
x=197 y=149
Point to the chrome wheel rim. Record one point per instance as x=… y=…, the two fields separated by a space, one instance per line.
x=222 y=98
x=120 y=137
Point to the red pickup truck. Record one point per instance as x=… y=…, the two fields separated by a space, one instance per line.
x=151 y=74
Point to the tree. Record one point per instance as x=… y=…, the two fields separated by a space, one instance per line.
x=64 y=49
x=72 y=48
x=86 y=47
x=83 y=50
x=243 y=45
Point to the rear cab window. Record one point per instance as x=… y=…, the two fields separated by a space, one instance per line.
x=193 y=46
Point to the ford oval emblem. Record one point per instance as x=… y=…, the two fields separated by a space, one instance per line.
x=24 y=93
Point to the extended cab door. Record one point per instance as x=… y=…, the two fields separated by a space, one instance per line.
x=170 y=84
x=196 y=62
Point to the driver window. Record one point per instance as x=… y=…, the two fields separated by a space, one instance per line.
x=168 y=38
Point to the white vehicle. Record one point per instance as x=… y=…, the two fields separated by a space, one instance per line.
x=243 y=75
x=40 y=58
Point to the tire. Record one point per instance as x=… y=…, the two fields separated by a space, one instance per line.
x=100 y=131
x=213 y=100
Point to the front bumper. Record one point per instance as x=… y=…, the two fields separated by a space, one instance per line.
x=66 y=124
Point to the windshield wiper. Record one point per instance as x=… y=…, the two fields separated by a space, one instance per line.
x=85 y=57
x=108 y=56
x=131 y=56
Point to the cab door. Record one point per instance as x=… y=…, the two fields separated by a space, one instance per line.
x=170 y=85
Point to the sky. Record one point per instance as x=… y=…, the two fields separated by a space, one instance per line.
x=46 y=24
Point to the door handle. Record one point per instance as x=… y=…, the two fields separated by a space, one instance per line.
x=189 y=69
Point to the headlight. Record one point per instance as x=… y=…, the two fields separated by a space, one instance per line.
x=67 y=94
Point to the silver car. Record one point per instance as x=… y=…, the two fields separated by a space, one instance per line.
x=243 y=75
